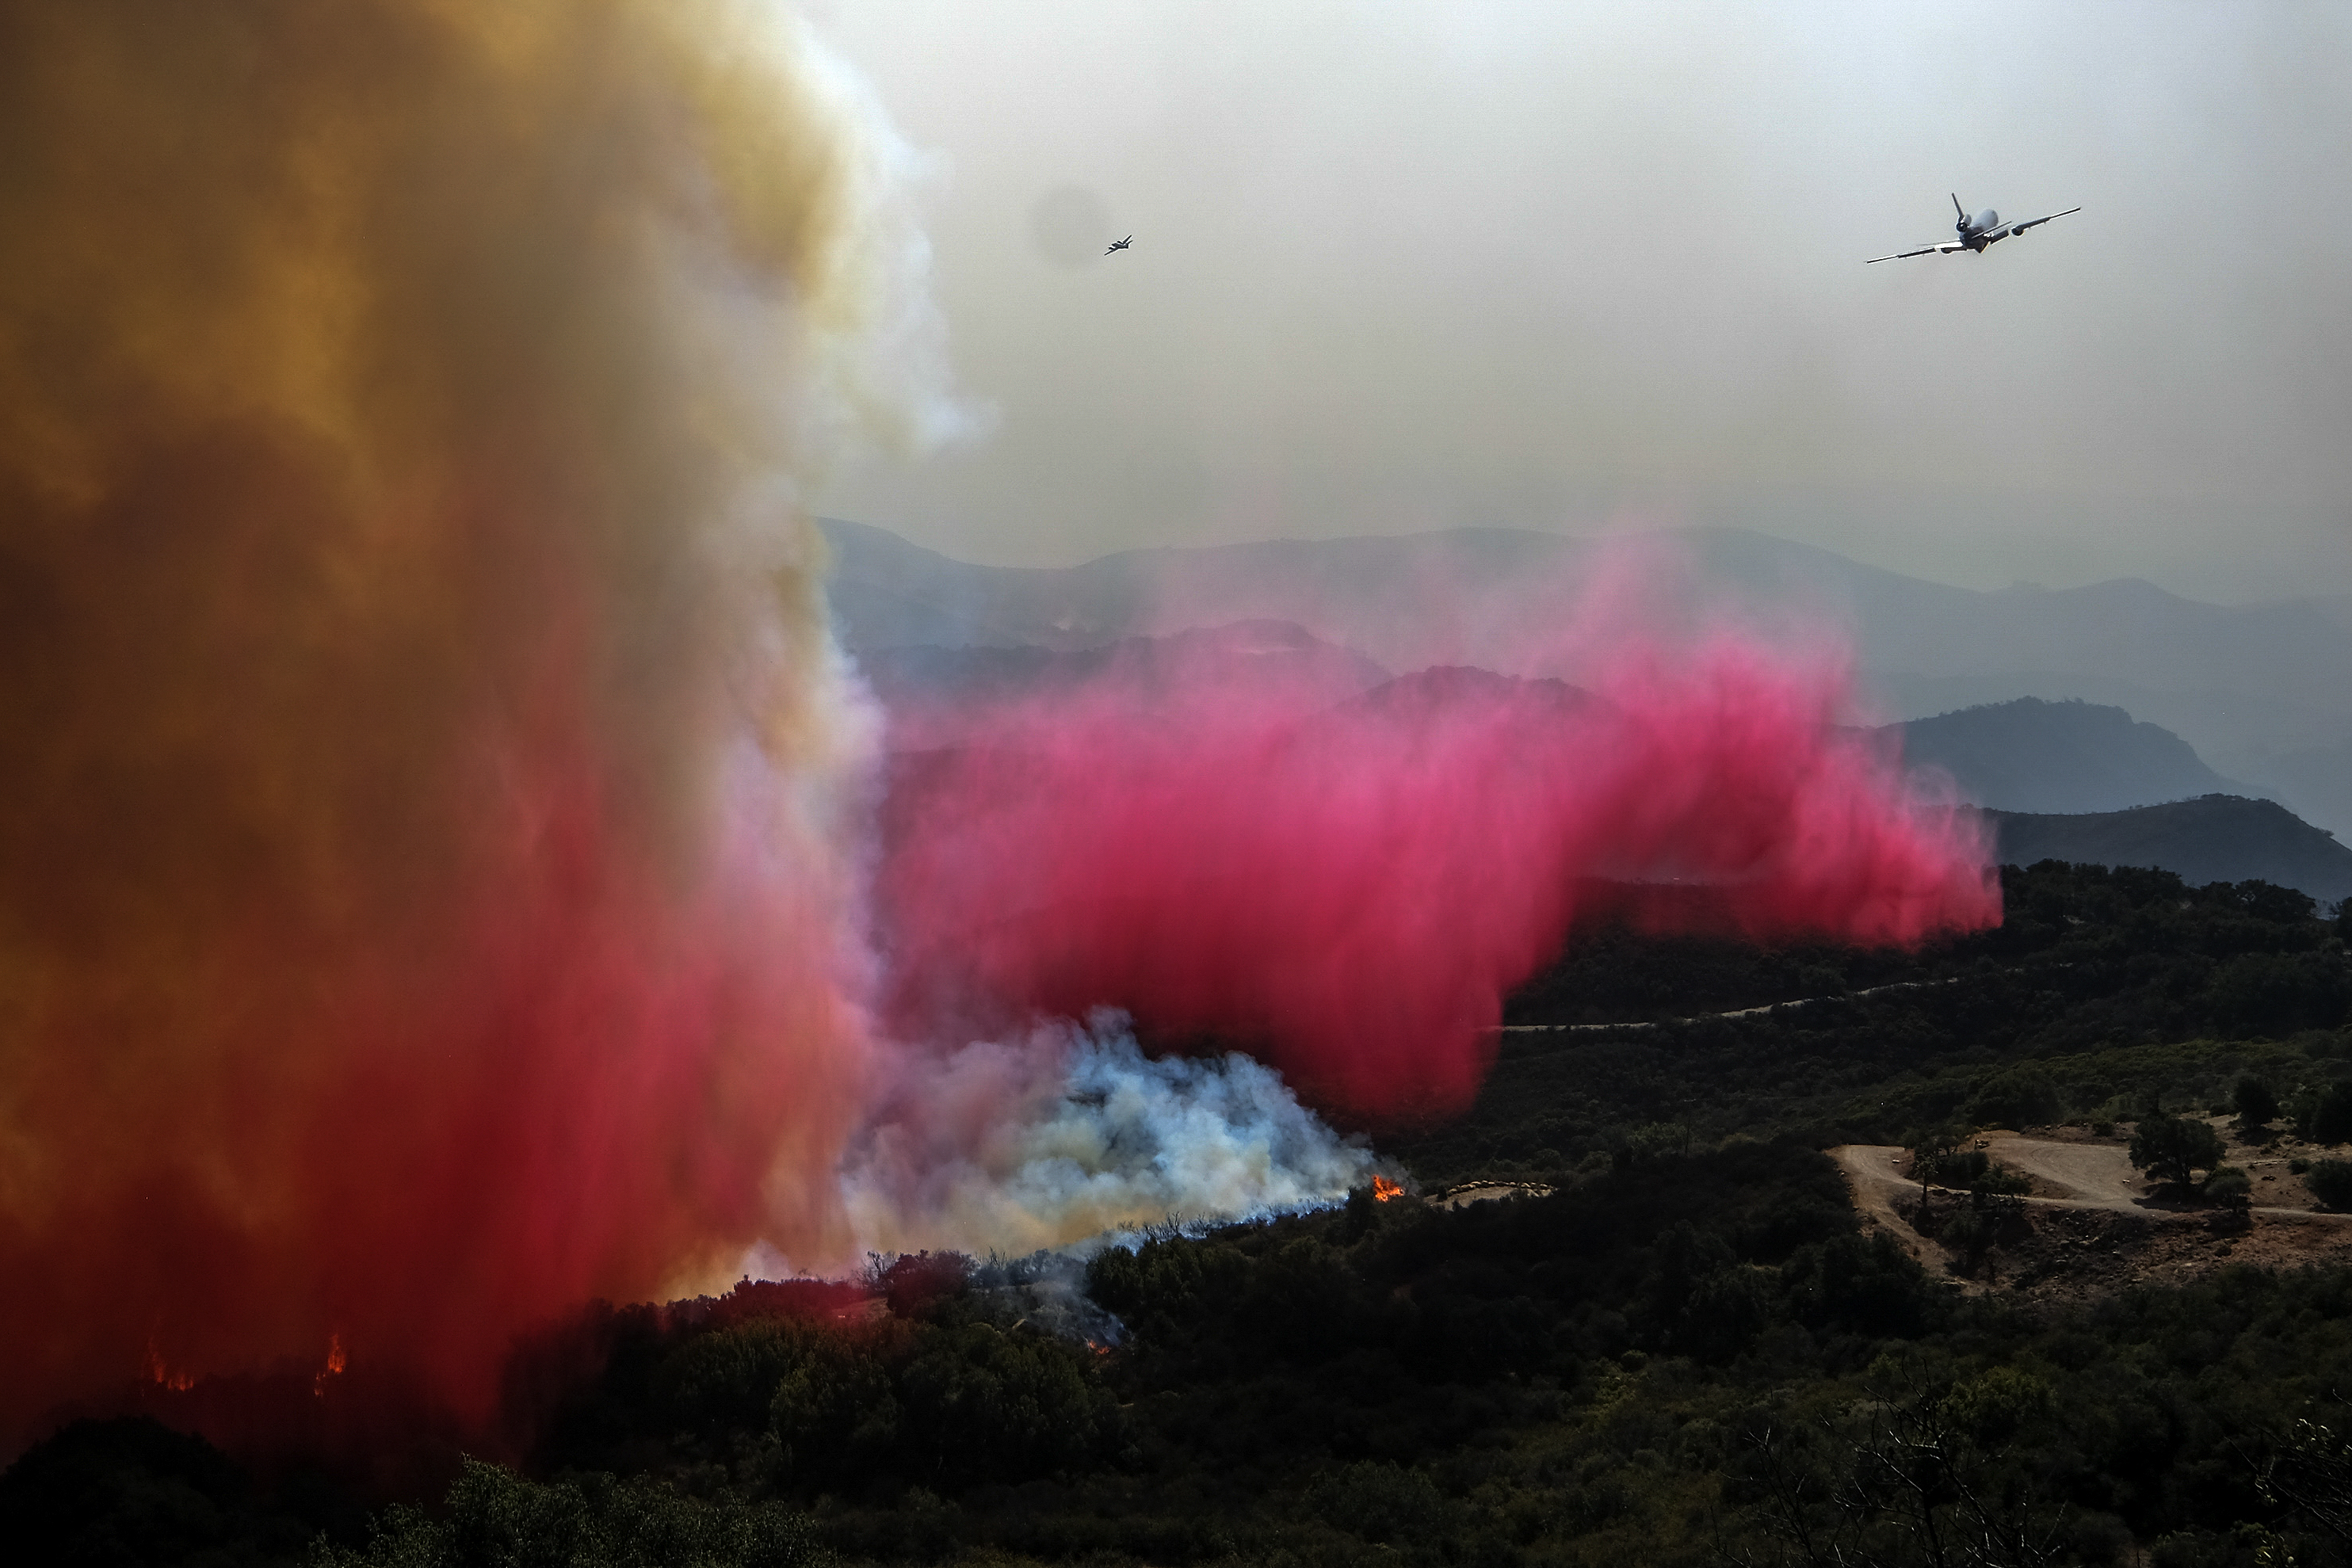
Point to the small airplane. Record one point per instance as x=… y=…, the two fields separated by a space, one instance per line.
x=1974 y=232
x=1120 y=244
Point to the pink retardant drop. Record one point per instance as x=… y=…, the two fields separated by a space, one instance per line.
x=1351 y=890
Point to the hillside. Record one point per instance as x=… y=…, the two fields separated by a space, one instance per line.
x=2214 y=838
x=2065 y=757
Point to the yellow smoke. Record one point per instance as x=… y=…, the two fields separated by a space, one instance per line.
x=412 y=653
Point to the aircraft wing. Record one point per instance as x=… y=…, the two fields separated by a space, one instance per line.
x=2020 y=228
x=1946 y=248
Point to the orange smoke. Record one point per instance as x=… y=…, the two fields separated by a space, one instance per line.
x=418 y=906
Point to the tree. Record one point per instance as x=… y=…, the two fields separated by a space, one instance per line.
x=2330 y=1182
x=2254 y=1101
x=2310 y=1470
x=1932 y=1152
x=2329 y=1115
x=2170 y=1147
x=2275 y=993
x=2229 y=1186
x=2021 y=1097
x=1927 y=1472
x=982 y=1404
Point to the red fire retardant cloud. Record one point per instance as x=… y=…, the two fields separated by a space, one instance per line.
x=1352 y=892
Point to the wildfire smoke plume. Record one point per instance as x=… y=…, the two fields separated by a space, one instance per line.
x=422 y=876
x=1068 y=1134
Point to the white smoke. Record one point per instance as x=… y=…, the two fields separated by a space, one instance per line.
x=1071 y=1135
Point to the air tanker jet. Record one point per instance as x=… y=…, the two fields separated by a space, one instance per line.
x=1973 y=233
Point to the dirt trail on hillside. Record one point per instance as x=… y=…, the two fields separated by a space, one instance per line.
x=2092 y=1228
x=2098 y=1174
x=1874 y=1174
x=2087 y=1175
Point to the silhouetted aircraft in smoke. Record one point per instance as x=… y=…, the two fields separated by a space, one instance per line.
x=1974 y=232
x=1120 y=244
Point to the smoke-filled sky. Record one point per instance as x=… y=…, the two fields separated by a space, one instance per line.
x=1401 y=266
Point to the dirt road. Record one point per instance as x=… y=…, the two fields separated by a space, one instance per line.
x=1734 y=1013
x=1873 y=1173
x=2096 y=1173
x=2091 y=1226
x=2087 y=1175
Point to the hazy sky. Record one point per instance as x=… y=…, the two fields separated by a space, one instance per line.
x=1555 y=265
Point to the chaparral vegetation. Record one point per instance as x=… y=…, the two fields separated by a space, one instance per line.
x=1673 y=1339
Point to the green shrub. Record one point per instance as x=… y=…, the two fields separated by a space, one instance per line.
x=1997 y=1181
x=1865 y=1283
x=2277 y=994
x=2021 y=1097
x=726 y=1379
x=1971 y=1231
x=2253 y=1100
x=2331 y=1183
x=1378 y=1502
x=2326 y=1116
x=2229 y=1186
x=494 y=1516
x=1991 y=1406
x=834 y=1413
x=984 y=1405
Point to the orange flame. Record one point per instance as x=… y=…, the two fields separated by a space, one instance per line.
x=334 y=1365
x=1384 y=1189
x=163 y=1377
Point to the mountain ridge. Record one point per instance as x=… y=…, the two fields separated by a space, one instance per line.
x=2262 y=693
x=2213 y=838
x=2058 y=758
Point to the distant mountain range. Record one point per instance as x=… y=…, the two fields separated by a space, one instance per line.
x=2262 y=693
